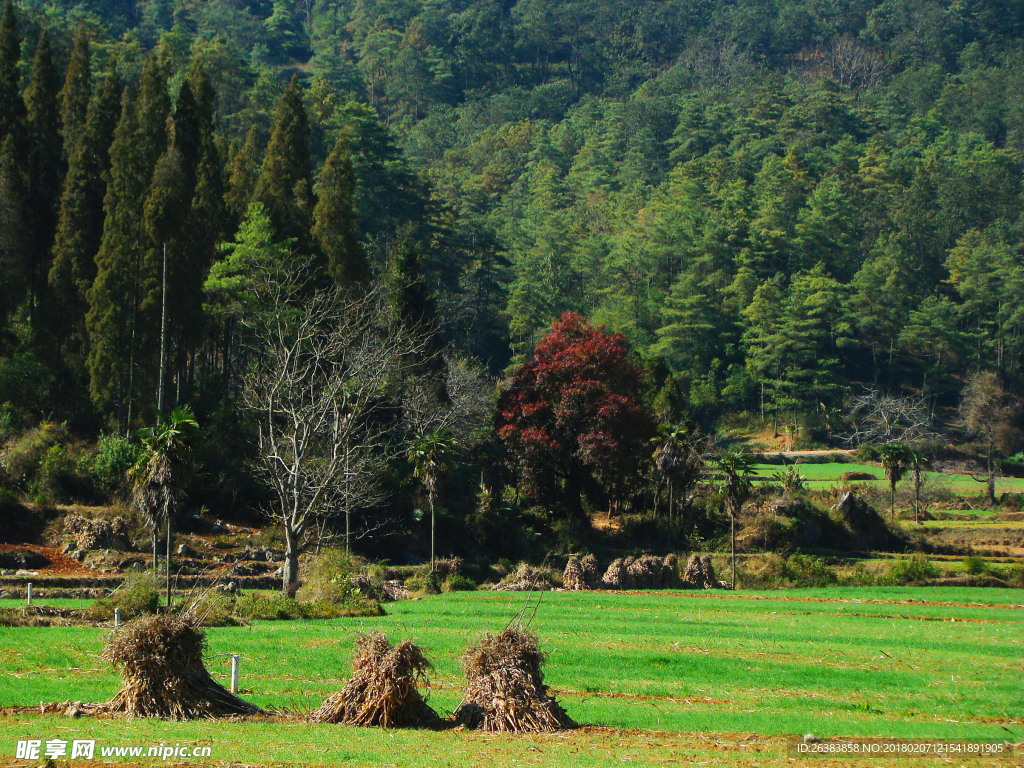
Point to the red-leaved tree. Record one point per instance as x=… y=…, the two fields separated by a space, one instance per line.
x=573 y=418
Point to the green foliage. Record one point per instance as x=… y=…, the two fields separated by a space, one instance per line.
x=456 y=582
x=328 y=578
x=138 y=595
x=23 y=459
x=915 y=569
x=115 y=455
x=975 y=565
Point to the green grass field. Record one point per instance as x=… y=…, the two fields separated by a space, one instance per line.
x=656 y=668
x=823 y=476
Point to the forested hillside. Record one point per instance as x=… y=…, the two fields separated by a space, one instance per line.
x=777 y=204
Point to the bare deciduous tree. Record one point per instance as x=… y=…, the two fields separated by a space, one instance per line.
x=879 y=418
x=988 y=414
x=330 y=370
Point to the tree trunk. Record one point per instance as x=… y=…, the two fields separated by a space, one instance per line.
x=168 y=561
x=732 y=526
x=156 y=552
x=290 y=579
x=433 y=518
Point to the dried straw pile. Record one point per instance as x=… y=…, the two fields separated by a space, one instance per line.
x=506 y=691
x=700 y=574
x=580 y=573
x=383 y=689
x=162 y=673
x=645 y=572
x=525 y=578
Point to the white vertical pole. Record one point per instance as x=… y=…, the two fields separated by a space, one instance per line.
x=28 y=594
x=117 y=617
x=234 y=673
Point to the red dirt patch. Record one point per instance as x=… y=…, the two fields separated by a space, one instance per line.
x=60 y=564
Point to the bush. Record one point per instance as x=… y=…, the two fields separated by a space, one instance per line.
x=975 y=565
x=914 y=570
x=114 y=457
x=214 y=609
x=456 y=582
x=57 y=479
x=138 y=595
x=24 y=458
x=809 y=571
x=329 y=578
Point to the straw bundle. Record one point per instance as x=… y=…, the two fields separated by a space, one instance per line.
x=700 y=573
x=506 y=691
x=617 y=575
x=383 y=689
x=580 y=573
x=525 y=578
x=162 y=673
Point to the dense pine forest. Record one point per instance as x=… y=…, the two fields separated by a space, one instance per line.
x=715 y=214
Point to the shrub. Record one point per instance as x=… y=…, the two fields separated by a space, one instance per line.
x=57 y=479
x=456 y=582
x=114 y=457
x=808 y=571
x=23 y=459
x=913 y=570
x=329 y=578
x=975 y=565
x=138 y=595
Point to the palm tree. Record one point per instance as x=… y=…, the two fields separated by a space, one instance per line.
x=735 y=486
x=161 y=473
x=896 y=459
x=431 y=454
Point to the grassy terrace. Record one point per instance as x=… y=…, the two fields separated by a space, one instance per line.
x=822 y=476
x=897 y=662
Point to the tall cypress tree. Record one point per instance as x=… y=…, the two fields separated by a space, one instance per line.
x=199 y=223
x=12 y=231
x=12 y=108
x=334 y=219
x=46 y=171
x=284 y=187
x=243 y=174
x=123 y=328
x=75 y=95
x=80 y=226
x=414 y=307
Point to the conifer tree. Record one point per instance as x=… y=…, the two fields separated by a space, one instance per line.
x=123 y=329
x=334 y=219
x=243 y=173
x=76 y=93
x=12 y=230
x=80 y=225
x=414 y=307
x=46 y=171
x=200 y=223
x=284 y=187
x=12 y=108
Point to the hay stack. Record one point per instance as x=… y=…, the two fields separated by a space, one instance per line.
x=383 y=689
x=617 y=575
x=700 y=574
x=506 y=691
x=525 y=578
x=573 y=578
x=162 y=673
